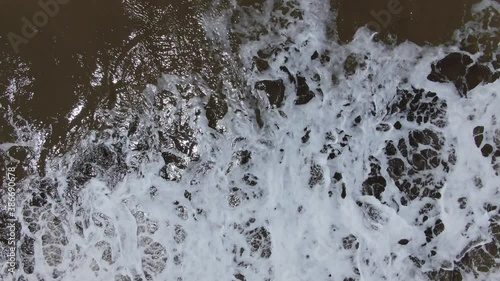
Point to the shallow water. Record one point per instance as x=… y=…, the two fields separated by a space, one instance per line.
x=276 y=144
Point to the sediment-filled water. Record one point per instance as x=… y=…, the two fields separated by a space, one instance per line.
x=282 y=153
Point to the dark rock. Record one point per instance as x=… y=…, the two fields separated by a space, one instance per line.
x=216 y=109
x=445 y=275
x=260 y=64
x=38 y=199
x=487 y=150
x=438 y=227
x=133 y=126
x=27 y=253
x=316 y=78
x=47 y=187
x=383 y=127
x=425 y=160
x=304 y=95
x=250 y=179
x=234 y=199
x=352 y=63
x=478 y=259
x=259 y=240
x=243 y=156
x=275 y=91
x=476 y=75
x=390 y=149
x=403 y=201
x=343 y=194
x=478 y=130
x=403 y=148
x=300 y=209
x=434 y=231
x=418 y=262
x=418 y=106
x=345 y=140
x=462 y=201
x=97 y=160
x=403 y=241
x=173 y=166
x=171 y=158
x=488 y=207
x=315 y=55
x=357 y=120
x=187 y=195
x=325 y=57
x=18 y=152
x=450 y=68
x=350 y=242
x=102 y=156
x=334 y=154
x=180 y=234
x=459 y=69
x=290 y=76
x=250 y=2
x=316 y=175
x=396 y=168
x=240 y=277
x=306 y=136
x=6 y=228
x=425 y=137
x=335 y=79
x=374 y=186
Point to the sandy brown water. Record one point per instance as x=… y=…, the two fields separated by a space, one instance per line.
x=123 y=39
x=131 y=43
x=422 y=21
x=61 y=58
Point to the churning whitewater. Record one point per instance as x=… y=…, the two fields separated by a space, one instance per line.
x=310 y=161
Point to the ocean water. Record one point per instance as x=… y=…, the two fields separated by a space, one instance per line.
x=309 y=160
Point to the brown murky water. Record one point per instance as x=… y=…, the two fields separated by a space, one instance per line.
x=133 y=42
x=90 y=51
x=419 y=21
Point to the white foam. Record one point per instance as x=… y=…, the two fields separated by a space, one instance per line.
x=137 y=221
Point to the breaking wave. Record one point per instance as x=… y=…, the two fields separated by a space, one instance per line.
x=310 y=161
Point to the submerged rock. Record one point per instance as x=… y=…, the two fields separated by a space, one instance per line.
x=375 y=184
x=259 y=240
x=304 y=95
x=460 y=69
x=98 y=161
x=216 y=109
x=274 y=89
